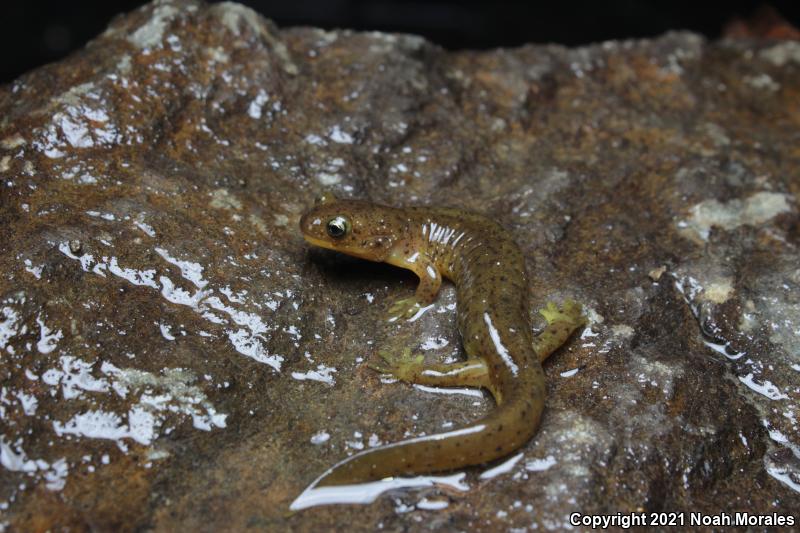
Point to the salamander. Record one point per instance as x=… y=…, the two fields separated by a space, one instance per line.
x=502 y=355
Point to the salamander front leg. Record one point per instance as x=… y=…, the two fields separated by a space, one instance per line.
x=412 y=369
x=404 y=308
x=430 y=280
x=560 y=325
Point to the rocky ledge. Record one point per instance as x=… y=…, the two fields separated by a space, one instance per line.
x=174 y=356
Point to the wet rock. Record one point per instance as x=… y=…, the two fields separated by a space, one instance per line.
x=173 y=355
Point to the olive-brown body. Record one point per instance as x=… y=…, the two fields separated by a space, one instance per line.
x=488 y=270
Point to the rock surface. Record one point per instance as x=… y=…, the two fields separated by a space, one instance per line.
x=174 y=356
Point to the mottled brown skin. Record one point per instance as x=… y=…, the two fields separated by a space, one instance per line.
x=488 y=269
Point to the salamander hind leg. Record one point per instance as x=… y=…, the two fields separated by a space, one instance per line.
x=561 y=324
x=413 y=369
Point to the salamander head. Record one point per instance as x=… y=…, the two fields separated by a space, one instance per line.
x=357 y=228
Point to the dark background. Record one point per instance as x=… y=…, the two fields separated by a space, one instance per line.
x=37 y=32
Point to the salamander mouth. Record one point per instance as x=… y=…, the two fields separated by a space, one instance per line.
x=355 y=252
x=318 y=242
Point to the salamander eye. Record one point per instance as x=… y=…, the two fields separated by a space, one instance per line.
x=338 y=227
